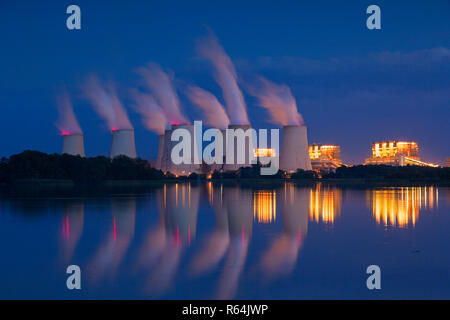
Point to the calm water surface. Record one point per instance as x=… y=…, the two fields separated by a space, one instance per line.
x=211 y=241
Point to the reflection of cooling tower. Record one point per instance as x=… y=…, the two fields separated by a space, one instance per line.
x=239 y=205
x=294 y=149
x=73 y=144
x=183 y=168
x=232 y=147
x=124 y=215
x=180 y=207
x=294 y=208
x=123 y=143
x=158 y=164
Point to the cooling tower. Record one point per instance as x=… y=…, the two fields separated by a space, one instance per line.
x=73 y=144
x=123 y=143
x=158 y=164
x=183 y=168
x=232 y=147
x=294 y=149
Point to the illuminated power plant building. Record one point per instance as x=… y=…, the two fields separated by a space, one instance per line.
x=396 y=153
x=325 y=157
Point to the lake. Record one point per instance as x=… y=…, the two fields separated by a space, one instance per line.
x=227 y=241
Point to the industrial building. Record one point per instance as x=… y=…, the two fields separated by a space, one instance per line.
x=396 y=153
x=325 y=157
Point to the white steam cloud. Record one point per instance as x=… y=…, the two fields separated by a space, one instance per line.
x=210 y=49
x=215 y=113
x=161 y=87
x=107 y=104
x=152 y=114
x=67 y=122
x=278 y=100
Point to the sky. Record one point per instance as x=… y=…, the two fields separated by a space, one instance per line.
x=353 y=86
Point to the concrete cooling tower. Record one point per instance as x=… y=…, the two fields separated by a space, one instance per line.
x=232 y=147
x=166 y=159
x=294 y=149
x=123 y=143
x=73 y=144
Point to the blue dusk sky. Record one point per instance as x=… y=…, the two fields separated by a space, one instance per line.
x=352 y=85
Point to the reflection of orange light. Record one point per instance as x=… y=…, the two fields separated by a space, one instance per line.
x=324 y=204
x=210 y=193
x=264 y=206
x=400 y=207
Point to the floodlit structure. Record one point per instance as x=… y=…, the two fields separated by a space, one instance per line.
x=73 y=144
x=294 y=149
x=232 y=147
x=325 y=157
x=396 y=153
x=123 y=143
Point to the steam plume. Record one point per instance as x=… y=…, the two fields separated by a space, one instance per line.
x=225 y=74
x=216 y=115
x=279 y=101
x=67 y=122
x=152 y=114
x=107 y=104
x=161 y=86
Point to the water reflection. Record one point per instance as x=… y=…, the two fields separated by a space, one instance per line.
x=264 y=206
x=401 y=206
x=163 y=257
x=72 y=227
x=324 y=203
x=109 y=255
x=161 y=252
x=281 y=257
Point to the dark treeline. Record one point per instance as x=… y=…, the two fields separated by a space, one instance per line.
x=385 y=172
x=35 y=165
x=38 y=165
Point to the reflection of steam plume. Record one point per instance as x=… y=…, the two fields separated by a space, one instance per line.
x=67 y=122
x=281 y=257
x=178 y=208
x=225 y=74
x=239 y=211
x=161 y=86
x=279 y=101
x=214 y=111
x=217 y=243
x=110 y=254
x=107 y=104
x=153 y=115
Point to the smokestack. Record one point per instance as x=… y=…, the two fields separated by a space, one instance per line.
x=294 y=149
x=123 y=143
x=73 y=144
x=230 y=145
